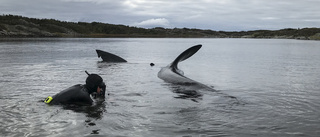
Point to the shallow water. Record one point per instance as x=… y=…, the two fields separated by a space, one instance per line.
x=275 y=84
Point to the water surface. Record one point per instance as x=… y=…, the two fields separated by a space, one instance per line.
x=275 y=82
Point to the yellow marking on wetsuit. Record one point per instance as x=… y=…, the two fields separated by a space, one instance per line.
x=48 y=100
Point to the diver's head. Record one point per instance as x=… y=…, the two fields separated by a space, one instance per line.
x=94 y=83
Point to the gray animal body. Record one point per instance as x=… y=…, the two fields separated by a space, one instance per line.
x=172 y=74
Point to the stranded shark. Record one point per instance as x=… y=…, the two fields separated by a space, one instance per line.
x=186 y=87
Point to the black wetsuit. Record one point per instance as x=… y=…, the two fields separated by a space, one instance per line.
x=77 y=94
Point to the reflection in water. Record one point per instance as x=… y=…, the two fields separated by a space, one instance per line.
x=195 y=93
x=184 y=93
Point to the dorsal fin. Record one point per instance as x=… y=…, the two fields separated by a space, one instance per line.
x=185 y=55
x=109 y=57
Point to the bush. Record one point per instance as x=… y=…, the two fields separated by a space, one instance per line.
x=315 y=37
x=2 y=27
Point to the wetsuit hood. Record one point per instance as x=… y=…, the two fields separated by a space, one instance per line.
x=93 y=81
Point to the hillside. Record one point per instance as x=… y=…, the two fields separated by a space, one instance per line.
x=18 y=26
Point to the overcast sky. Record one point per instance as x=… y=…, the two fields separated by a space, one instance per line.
x=226 y=15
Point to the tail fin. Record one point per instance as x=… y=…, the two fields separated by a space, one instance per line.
x=185 y=55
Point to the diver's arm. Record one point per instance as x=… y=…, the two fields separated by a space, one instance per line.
x=84 y=97
x=87 y=100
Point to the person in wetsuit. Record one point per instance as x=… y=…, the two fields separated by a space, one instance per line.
x=80 y=94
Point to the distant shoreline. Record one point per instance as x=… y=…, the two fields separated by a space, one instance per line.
x=13 y=26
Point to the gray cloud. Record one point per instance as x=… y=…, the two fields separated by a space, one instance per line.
x=227 y=15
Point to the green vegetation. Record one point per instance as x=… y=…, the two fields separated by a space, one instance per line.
x=18 y=26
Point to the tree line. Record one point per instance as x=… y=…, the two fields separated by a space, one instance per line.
x=19 y=26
